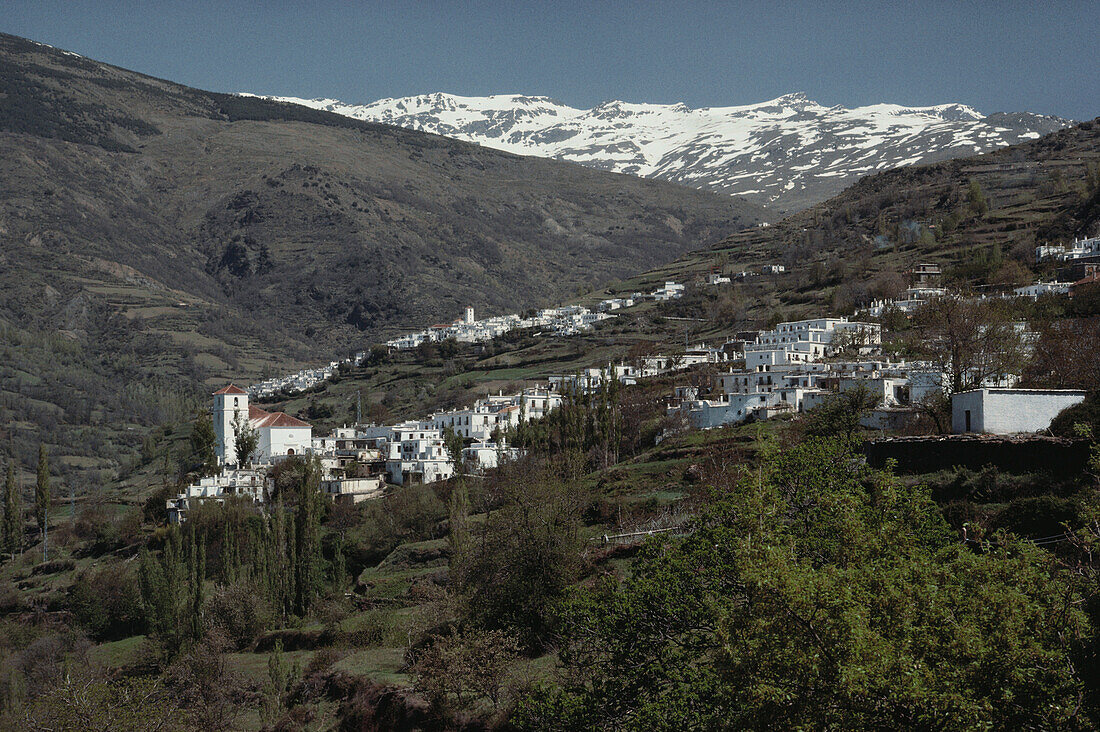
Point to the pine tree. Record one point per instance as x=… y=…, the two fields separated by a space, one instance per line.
x=12 y=534
x=42 y=489
x=976 y=198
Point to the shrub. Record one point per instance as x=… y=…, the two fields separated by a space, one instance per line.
x=1038 y=517
x=106 y=600
x=239 y=612
x=1085 y=413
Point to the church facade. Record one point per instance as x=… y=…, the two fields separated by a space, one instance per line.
x=279 y=433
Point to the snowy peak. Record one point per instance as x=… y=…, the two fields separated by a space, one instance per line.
x=788 y=152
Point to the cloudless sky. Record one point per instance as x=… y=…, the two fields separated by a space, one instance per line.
x=996 y=55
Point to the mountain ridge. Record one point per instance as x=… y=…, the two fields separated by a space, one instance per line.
x=155 y=238
x=786 y=153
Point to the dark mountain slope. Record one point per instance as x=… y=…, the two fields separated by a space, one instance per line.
x=155 y=234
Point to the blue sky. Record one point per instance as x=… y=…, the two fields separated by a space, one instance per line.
x=996 y=56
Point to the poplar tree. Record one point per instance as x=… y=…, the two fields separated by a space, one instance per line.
x=339 y=564
x=459 y=536
x=42 y=489
x=198 y=576
x=13 y=515
x=308 y=554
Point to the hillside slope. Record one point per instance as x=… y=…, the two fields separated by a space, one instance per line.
x=853 y=248
x=786 y=153
x=159 y=235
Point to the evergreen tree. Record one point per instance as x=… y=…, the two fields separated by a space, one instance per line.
x=12 y=535
x=245 y=440
x=975 y=197
x=42 y=489
x=339 y=564
x=202 y=447
x=231 y=558
x=163 y=583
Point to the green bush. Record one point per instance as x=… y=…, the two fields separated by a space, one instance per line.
x=106 y=601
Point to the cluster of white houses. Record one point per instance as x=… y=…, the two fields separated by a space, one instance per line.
x=785 y=370
x=565 y=320
x=798 y=365
x=302 y=380
x=789 y=369
x=358 y=462
x=561 y=321
x=1079 y=249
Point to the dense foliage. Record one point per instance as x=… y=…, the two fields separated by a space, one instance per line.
x=820 y=594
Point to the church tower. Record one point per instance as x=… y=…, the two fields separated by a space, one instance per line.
x=228 y=403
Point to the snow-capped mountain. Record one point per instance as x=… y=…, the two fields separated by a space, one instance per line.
x=787 y=153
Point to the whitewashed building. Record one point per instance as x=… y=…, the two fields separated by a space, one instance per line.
x=1039 y=289
x=279 y=433
x=229 y=483
x=1008 y=411
x=668 y=291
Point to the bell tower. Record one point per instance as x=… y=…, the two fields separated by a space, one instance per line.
x=228 y=403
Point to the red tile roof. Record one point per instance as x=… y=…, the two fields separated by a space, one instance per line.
x=282 y=419
x=1087 y=280
x=260 y=418
x=231 y=389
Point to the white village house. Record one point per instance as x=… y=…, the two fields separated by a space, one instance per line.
x=1009 y=411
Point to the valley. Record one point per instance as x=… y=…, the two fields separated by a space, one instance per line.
x=313 y=416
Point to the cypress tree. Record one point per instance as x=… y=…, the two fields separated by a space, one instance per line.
x=459 y=535
x=162 y=584
x=289 y=560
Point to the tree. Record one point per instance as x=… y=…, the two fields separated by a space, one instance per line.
x=1065 y=355
x=971 y=341
x=821 y=594
x=42 y=489
x=465 y=669
x=245 y=439
x=840 y=414
x=975 y=198
x=454 y=444
x=525 y=555
x=202 y=446
x=163 y=584
x=307 y=555
x=458 y=537
x=12 y=535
